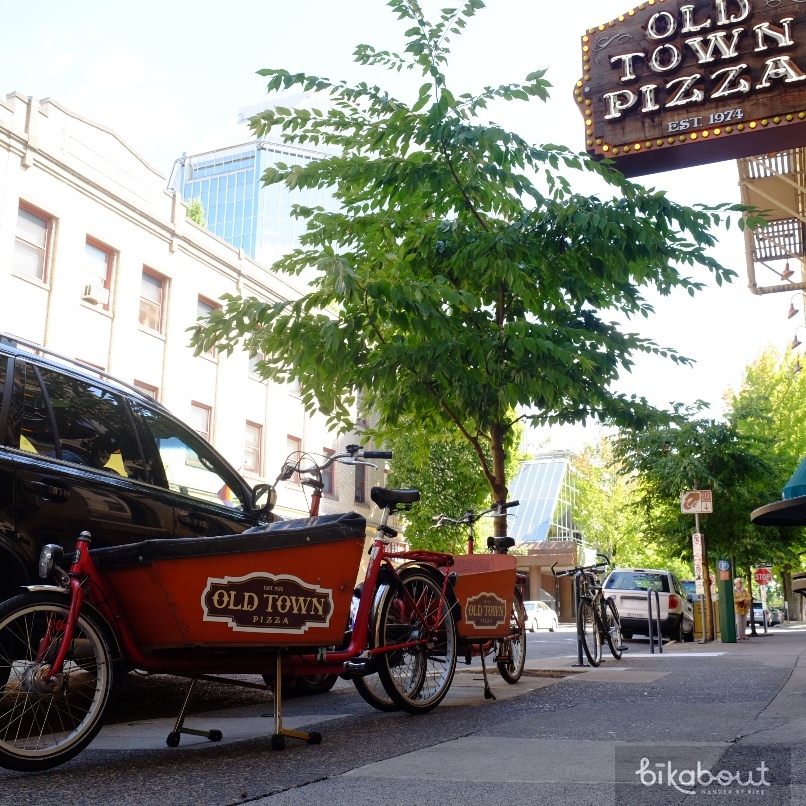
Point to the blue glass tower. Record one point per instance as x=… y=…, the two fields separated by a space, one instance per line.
x=236 y=206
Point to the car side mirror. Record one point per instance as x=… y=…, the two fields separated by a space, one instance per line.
x=264 y=497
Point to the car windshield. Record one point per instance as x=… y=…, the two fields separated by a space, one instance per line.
x=690 y=587
x=638 y=581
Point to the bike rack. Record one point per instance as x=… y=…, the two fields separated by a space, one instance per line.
x=649 y=618
x=580 y=658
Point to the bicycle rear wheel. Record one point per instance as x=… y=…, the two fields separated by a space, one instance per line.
x=417 y=677
x=372 y=692
x=588 y=630
x=46 y=722
x=511 y=652
x=612 y=625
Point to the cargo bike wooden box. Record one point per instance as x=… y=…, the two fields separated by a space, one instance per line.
x=273 y=602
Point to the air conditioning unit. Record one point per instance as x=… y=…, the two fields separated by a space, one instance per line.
x=95 y=294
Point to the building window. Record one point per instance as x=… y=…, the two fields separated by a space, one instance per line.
x=360 y=419
x=329 y=475
x=32 y=244
x=201 y=418
x=360 y=484
x=203 y=310
x=294 y=448
x=293 y=387
x=253 y=364
x=152 y=301
x=98 y=262
x=252 y=444
x=147 y=389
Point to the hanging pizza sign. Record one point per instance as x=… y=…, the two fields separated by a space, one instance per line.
x=675 y=83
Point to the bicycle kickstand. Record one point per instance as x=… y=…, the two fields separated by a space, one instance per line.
x=488 y=694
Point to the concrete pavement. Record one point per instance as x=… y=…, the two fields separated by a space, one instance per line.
x=562 y=735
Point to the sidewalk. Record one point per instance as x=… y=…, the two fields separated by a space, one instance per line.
x=567 y=739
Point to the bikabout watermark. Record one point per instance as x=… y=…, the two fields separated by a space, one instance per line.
x=649 y=774
x=692 y=780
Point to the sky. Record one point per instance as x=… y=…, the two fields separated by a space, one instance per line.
x=169 y=75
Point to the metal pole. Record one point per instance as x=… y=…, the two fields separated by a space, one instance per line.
x=649 y=617
x=660 y=633
x=580 y=659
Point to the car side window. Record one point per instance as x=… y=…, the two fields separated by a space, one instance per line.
x=190 y=468
x=75 y=421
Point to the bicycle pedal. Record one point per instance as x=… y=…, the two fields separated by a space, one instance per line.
x=358 y=668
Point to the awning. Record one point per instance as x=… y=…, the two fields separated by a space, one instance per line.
x=791 y=509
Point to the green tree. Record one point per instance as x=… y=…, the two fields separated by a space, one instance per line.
x=697 y=452
x=446 y=471
x=771 y=407
x=607 y=515
x=195 y=212
x=462 y=278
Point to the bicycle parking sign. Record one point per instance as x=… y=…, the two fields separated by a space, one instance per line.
x=696 y=502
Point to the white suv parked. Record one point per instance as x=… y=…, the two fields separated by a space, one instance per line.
x=629 y=586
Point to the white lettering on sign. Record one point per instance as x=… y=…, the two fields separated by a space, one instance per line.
x=663 y=57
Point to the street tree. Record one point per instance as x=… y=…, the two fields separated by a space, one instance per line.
x=445 y=469
x=462 y=278
x=195 y=212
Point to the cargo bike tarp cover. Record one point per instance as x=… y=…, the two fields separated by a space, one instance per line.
x=287 y=584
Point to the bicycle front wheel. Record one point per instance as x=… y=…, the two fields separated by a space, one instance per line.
x=417 y=677
x=372 y=692
x=511 y=651
x=612 y=625
x=588 y=630
x=45 y=722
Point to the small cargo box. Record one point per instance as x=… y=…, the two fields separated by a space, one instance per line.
x=485 y=588
x=289 y=583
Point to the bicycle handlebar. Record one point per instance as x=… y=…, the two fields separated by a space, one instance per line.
x=580 y=569
x=470 y=516
x=352 y=453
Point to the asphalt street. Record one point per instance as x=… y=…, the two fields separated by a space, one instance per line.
x=562 y=735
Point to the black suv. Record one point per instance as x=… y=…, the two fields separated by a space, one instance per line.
x=79 y=450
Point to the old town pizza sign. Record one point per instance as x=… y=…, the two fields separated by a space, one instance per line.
x=265 y=603
x=674 y=83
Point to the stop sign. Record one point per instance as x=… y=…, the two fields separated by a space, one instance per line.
x=763 y=576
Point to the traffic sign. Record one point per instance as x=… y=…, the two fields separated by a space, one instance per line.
x=723 y=565
x=696 y=502
x=696 y=545
x=763 y=576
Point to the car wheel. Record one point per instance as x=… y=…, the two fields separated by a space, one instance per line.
x=532 y=625
x=688 y=637
x=553 y=625
x=626 y=634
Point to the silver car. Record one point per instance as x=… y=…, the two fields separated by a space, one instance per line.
x=539 y=616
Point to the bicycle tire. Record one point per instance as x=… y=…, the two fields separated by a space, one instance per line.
x=513 y=652
x=588 y=630
x=371 y=690
x=43 y=723
x=417 y=678
x=612 y=629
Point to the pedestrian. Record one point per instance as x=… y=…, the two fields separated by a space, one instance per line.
x=742 y=602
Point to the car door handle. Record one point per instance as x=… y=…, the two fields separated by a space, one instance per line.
x=49 y=490
x=194 y=523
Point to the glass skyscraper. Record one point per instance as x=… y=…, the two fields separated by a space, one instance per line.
x=237 y=207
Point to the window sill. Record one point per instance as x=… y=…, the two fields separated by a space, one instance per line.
x=97 y=309
x=32 y=280
x=154 y=333
x=213 y=359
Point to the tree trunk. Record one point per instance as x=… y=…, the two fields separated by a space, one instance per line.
x=792 y=599
x=499 y=485
x=749 y=576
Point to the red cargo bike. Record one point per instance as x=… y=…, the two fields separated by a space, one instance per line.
x=274 y=601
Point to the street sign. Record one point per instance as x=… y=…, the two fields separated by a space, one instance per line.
x=696 y=545
x=763 y=576
x=723 y=565
x=696 y=502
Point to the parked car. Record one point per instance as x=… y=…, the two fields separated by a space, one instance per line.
x=629 y=586
x=690 y=587
x=777 y=616
x=539 y=616
x=80 y=450
x=760 y=613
